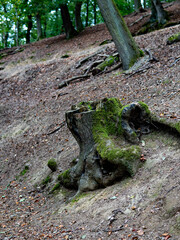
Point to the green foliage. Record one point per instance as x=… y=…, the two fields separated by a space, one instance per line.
x=52 y=164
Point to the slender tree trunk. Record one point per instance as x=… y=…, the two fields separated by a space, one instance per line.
x=17 y=30
x=95 y=13
x=29 y=27
x=45 y=27
x=125 y=44
x=87 y=12
x=57 y=20
x=6 y=28
x=144 y=4
x=69 y=29
x=137 y=5
x=39 y=28
x=157 y=12
x=78 y=22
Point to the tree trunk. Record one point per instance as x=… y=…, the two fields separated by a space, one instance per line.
x=157 y=12
x=125 y=44
x=69 y=29
x=17 y=30
x=137 y=5
x=95 y=12
x=39 y=28
x=78 y=22
x=87 y=12
x=6 y=27
x=29 y=27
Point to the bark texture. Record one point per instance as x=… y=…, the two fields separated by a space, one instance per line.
x=78 y=22
x=125 y=44
x=157 y=12
x=69 y=29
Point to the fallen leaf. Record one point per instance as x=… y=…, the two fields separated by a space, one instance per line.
x=140 y=232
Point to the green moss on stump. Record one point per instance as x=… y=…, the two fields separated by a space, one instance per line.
x=106 y=123
x=52 y=164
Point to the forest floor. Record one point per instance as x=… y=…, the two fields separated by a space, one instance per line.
x=145 y=207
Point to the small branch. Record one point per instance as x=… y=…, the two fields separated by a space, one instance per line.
x=57 y=129
x=175 y=62
x=67 y=81
x=115 y=230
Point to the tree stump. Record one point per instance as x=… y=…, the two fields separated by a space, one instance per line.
x=108 y=135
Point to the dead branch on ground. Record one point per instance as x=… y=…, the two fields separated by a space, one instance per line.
x=67 y=81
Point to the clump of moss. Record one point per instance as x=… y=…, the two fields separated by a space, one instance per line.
x=141 y=52
x=56 y=187
x=65 y=178
x=23 y=172
x=52 y=164
x=174 y=38
x=46 y=180
x=145 y=107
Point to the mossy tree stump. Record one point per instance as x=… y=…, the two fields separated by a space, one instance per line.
x=108 y=135
x=94 y=126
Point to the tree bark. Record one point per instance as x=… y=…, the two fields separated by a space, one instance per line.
x=87 y=12
x=137 y=5
x=125 y=44
x=78 y=22
x=157 y=12
x=69 y=29
x=39 y=28
x=29 y=27
x=95 y=12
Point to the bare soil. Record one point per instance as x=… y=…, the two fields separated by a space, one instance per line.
x=146 y=206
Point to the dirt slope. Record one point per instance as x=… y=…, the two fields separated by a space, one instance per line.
x=31 y=106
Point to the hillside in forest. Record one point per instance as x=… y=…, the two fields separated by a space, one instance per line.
x=33 y=103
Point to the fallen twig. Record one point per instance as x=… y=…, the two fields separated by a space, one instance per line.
x=112 y=218
x=175 y=62
x=57 y=129
x=113 y=230
x=67 y=81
